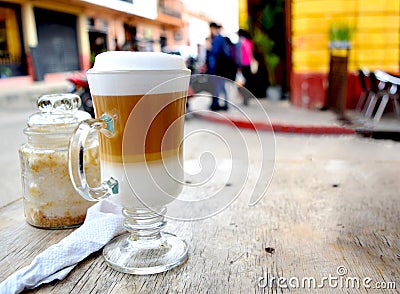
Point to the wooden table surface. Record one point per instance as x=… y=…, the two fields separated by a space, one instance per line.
x=338 y=220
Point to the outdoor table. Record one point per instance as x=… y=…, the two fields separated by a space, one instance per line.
x=328 y=228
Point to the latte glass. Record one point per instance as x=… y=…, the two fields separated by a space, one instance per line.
x=139 y=100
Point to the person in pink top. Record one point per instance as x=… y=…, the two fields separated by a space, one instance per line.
x=244 y=56
x=245 y=49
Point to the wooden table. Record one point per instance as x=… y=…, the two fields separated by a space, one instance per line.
x=320 y=220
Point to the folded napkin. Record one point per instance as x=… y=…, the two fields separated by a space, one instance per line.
x=103 y=222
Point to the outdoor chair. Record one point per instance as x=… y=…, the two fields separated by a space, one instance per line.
x=392 y=95
x=387 y=89
x=366 y=91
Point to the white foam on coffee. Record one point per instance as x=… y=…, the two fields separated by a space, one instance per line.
x=118 y=73
x=127 y=60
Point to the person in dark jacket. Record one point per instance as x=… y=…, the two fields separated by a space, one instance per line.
x=217 y=67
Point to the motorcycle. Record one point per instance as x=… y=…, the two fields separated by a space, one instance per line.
x=80 y=86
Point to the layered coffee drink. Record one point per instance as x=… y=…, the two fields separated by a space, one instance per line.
x=145 y=95
x=139 y=101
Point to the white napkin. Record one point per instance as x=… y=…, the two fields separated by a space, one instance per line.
x=103 y=222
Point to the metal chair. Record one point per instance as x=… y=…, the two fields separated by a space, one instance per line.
x=363 y=77
x=388 y=88
x=392 y=95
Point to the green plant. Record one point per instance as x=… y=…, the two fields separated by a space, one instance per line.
x=341 y=32
x=5 y=72
x=264 y=44
x=266 y=29
x=270 y=10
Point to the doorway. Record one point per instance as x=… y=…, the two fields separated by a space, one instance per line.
x=57 y=49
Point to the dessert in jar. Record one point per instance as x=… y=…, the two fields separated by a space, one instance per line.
x=50 y=200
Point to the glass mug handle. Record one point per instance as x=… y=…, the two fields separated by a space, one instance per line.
x=76 y=164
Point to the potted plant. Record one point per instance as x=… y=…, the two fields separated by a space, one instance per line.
x=5 y=72
x=340 y=35
x=339 y=45
x=265 y=44
x=267 y=31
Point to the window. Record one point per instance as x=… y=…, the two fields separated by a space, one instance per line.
x=3 y=39
x=10 y=49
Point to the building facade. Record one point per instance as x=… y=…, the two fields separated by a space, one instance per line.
x=374 y=42
x=44 y=39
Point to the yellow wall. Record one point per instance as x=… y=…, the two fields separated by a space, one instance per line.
x=12 y=38
x=375 y=43
x=243 y=14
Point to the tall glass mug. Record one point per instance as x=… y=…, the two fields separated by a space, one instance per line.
x=139 y=100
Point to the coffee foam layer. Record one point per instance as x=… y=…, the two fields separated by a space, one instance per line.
x=127 y=60
x=136 y=73
x=138 y=82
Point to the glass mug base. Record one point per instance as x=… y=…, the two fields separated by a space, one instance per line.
x=145 y=249
x=143 y=258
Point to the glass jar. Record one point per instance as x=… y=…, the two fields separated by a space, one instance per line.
x=50 y=200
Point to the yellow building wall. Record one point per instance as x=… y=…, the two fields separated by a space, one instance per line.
x=376 y=39
x=243 y=14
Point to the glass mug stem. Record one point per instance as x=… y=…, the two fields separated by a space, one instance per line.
x=143 y=224
x=76 y=166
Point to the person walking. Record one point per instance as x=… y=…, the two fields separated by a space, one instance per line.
x=252 y=65
x=218 y=66
x=244 y=58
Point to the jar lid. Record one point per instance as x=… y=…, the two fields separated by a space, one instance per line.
x=57 y=112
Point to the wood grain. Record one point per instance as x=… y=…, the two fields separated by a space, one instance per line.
x=318 y=215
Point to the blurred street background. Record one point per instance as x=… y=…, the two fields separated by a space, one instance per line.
x=316 y=55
